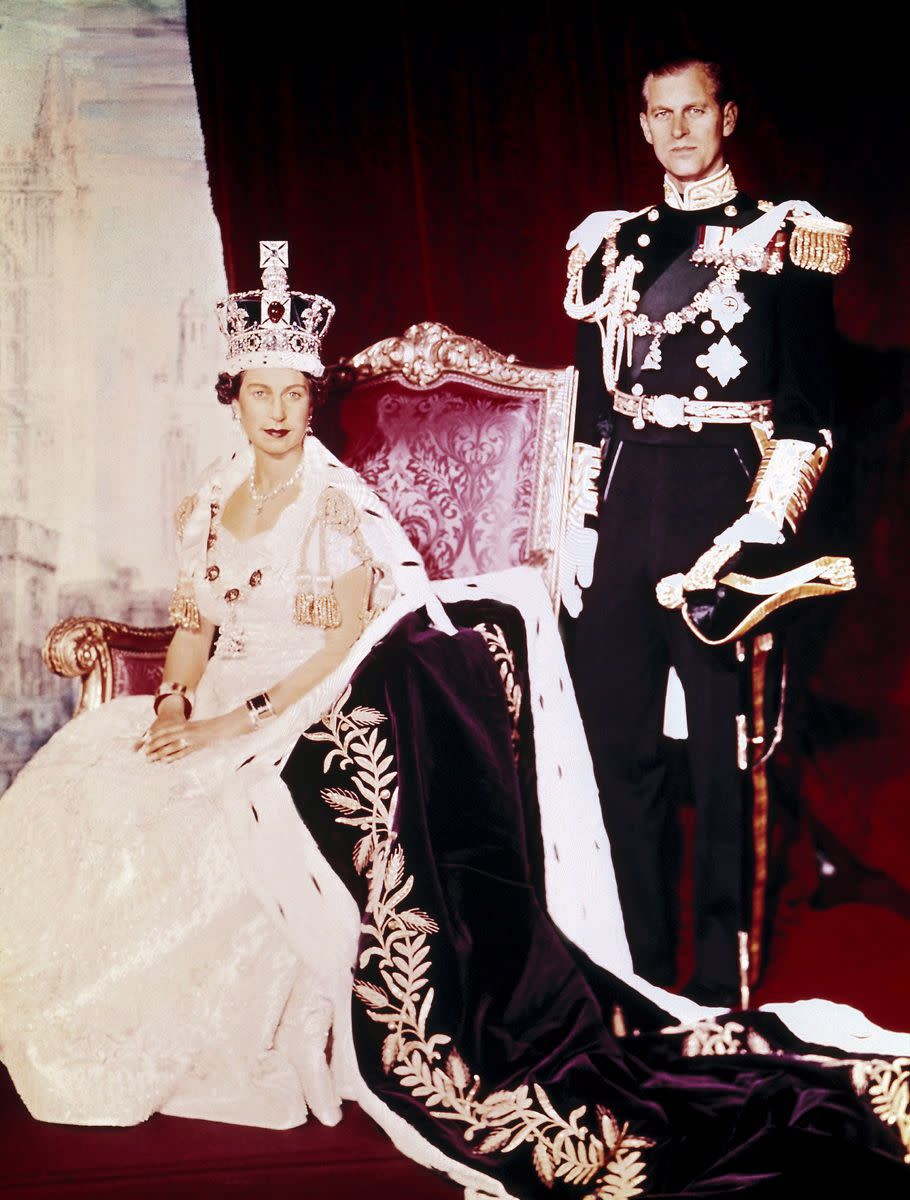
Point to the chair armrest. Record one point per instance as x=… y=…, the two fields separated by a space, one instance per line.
x=111 y=658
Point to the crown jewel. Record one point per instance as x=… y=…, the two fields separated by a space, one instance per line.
x=274 y=327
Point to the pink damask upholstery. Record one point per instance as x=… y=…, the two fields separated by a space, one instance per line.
x=454 y=462
x=470 y=449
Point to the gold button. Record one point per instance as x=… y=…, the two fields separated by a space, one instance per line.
x=653 y=214
x=644 y=240
x=730 y=210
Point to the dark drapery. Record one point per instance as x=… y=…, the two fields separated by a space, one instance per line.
x=428 y=161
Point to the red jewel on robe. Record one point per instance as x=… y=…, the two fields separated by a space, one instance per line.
x=232 y=594
x=212 y=573
x=256 y=578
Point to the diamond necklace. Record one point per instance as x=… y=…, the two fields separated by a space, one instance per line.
x=259 y=500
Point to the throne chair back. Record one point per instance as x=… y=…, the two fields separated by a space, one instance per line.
x=470 y=449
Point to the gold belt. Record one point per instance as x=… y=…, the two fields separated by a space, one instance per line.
x=669 y=411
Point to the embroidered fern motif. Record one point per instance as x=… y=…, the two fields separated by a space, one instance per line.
x=399 y=946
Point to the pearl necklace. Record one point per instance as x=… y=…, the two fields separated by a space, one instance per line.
x=259 y=500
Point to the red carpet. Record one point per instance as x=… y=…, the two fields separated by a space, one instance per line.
x=197 y=1160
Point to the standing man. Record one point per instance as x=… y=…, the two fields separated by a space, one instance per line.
x=704 y=352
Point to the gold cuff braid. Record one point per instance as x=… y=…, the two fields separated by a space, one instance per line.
x=790 y=477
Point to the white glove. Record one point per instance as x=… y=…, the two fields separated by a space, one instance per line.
x=591 y=232
x=751 y=527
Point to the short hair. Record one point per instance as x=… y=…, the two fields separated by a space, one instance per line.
x=716 y=72
x=227 y=388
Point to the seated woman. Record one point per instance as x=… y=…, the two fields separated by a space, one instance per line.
x=138 y=969
x=176 y=938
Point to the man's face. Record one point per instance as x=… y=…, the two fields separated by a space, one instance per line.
x=685 y=124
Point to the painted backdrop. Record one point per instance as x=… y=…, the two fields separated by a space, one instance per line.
x=110 y=265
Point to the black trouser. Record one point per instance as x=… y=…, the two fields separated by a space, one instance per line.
x=662 y=507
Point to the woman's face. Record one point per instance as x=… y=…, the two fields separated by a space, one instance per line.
x=274 y=406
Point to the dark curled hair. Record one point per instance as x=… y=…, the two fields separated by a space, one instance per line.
x=716 y=72
x=227 y=388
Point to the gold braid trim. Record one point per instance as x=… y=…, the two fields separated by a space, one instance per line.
x=820 y=244
x=183 y=609
x=761 y=648
x=183 y=513
x=886 y=1082
x=607 y=1162
x=701 y=576
x=315 y=602
x=574 y=302
x=786 y=476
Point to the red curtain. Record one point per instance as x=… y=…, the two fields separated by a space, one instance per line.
x=428 y=161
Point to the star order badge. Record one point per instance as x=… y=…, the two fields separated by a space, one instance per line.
x=723 y=362
x=728 y=307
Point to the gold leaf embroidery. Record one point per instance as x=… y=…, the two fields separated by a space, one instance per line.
x=885 y=1082
x=542 y=1164
x=505 y=660
x=373 y=996
x=710 y=1037
x=341 y=800
x=397 y=942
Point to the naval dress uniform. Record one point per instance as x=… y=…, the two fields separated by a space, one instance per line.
x=698 y=317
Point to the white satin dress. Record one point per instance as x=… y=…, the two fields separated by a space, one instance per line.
x=139 y=972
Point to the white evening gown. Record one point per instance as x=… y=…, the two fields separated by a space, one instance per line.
x=138 y=971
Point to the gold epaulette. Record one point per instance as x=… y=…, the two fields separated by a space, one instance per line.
x=820 y=244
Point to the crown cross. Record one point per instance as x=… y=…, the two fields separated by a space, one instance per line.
x=276 y=252
x=273 y=258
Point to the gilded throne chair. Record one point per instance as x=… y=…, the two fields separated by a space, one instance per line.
x=470 y=449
